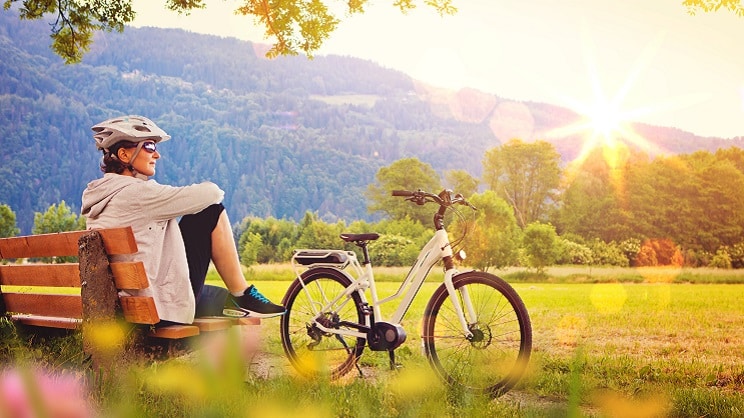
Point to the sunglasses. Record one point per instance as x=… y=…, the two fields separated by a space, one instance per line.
x=149 y=147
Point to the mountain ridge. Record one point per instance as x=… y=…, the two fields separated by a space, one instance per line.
x=281 y=136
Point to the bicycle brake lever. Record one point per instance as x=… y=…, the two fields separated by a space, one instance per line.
x=468 y=204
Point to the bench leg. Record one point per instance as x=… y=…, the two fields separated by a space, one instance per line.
x=103 y=336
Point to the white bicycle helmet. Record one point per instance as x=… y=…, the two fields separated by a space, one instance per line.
x=130 y=128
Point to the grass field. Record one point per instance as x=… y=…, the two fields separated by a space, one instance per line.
x=608 y=339
x=605 y=344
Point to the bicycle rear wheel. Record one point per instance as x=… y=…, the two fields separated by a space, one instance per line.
x=312 y=351
x=495 y=357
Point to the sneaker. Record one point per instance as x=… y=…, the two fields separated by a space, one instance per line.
x=253 y=304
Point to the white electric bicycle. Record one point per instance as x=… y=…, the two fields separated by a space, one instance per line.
x=476 y=331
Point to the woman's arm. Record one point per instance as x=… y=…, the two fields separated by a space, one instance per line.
x=163 y=202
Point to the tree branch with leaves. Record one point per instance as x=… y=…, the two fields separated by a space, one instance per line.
x=296 y=26
x=707 y=6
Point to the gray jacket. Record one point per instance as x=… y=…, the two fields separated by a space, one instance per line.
x=152 y=209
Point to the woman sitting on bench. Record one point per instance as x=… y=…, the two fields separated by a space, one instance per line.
x=176 y=254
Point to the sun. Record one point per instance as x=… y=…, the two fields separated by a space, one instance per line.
x=604 y=123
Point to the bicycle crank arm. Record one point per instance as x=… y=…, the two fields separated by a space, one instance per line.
x=348 y=332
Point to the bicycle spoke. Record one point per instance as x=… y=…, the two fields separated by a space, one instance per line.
x=309 y=327
x=490 y=357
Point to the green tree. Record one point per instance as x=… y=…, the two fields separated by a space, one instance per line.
x=405 y=174
x=460 y=181
x=570 y=252
x=733 y=154
x=592 y=204
x=608 y=254
x=736 y=252
x=76 y=22
x=582 y=203
x=721 y=260
x=8 y=226
x=687 y=199
x=57 y=218
x=251 y=245
x=295 y=25
x=540 y=244
x=314 y=233
x=407 y=228
x=526 y=175
x=630 y=249
x=393 y=250
x=276 y=238
x=493 y=237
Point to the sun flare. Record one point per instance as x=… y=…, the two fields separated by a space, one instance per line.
x=604 y=123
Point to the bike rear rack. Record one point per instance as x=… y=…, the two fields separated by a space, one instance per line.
x=322 y=258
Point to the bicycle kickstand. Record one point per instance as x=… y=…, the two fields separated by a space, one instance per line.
x=393 y=364
x=348 y=350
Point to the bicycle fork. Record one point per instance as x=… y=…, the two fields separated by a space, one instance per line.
x=459 y=302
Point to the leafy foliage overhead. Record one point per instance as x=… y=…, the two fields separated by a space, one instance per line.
x=295 y=25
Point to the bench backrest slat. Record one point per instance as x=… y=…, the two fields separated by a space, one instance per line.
x=139 y=309
x=130 y=275
x=127 y=275
x=44 y=304
x=115 y=240
x=54 y=275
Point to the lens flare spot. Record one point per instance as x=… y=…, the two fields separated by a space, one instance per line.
x=608 y=298
x=512 y=120
x=106 y=337
x=178 y=379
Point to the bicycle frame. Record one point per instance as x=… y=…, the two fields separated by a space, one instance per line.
x=436 y=249
x=475 y=332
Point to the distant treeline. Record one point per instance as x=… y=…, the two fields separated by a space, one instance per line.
x=623 y=210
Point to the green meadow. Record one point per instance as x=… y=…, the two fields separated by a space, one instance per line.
x=665 y=342
x=605 y=344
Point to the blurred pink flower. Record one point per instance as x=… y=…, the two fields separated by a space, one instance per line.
x=26 y=393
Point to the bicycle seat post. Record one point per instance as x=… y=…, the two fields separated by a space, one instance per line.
x=365 y=251
x=361 y=240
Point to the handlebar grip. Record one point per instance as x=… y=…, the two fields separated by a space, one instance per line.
x=402 y=193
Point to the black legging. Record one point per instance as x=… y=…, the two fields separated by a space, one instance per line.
x=197 y=230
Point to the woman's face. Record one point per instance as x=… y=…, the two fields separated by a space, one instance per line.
x=145 y=161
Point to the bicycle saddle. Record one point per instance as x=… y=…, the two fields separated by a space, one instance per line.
x=359 y=237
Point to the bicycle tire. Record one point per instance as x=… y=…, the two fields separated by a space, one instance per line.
x=311 y=351
x=495 y=358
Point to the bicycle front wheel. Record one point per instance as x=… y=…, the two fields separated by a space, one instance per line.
x=312 y=350
x=494 y=355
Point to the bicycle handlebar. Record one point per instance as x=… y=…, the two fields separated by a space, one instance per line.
x=402 y=193
x=446 y=198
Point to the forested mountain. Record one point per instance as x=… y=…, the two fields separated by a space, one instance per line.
x=281 y=136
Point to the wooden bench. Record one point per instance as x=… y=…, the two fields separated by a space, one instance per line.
x=85 y=294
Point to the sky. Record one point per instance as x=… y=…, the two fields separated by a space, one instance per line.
x=614 y=60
